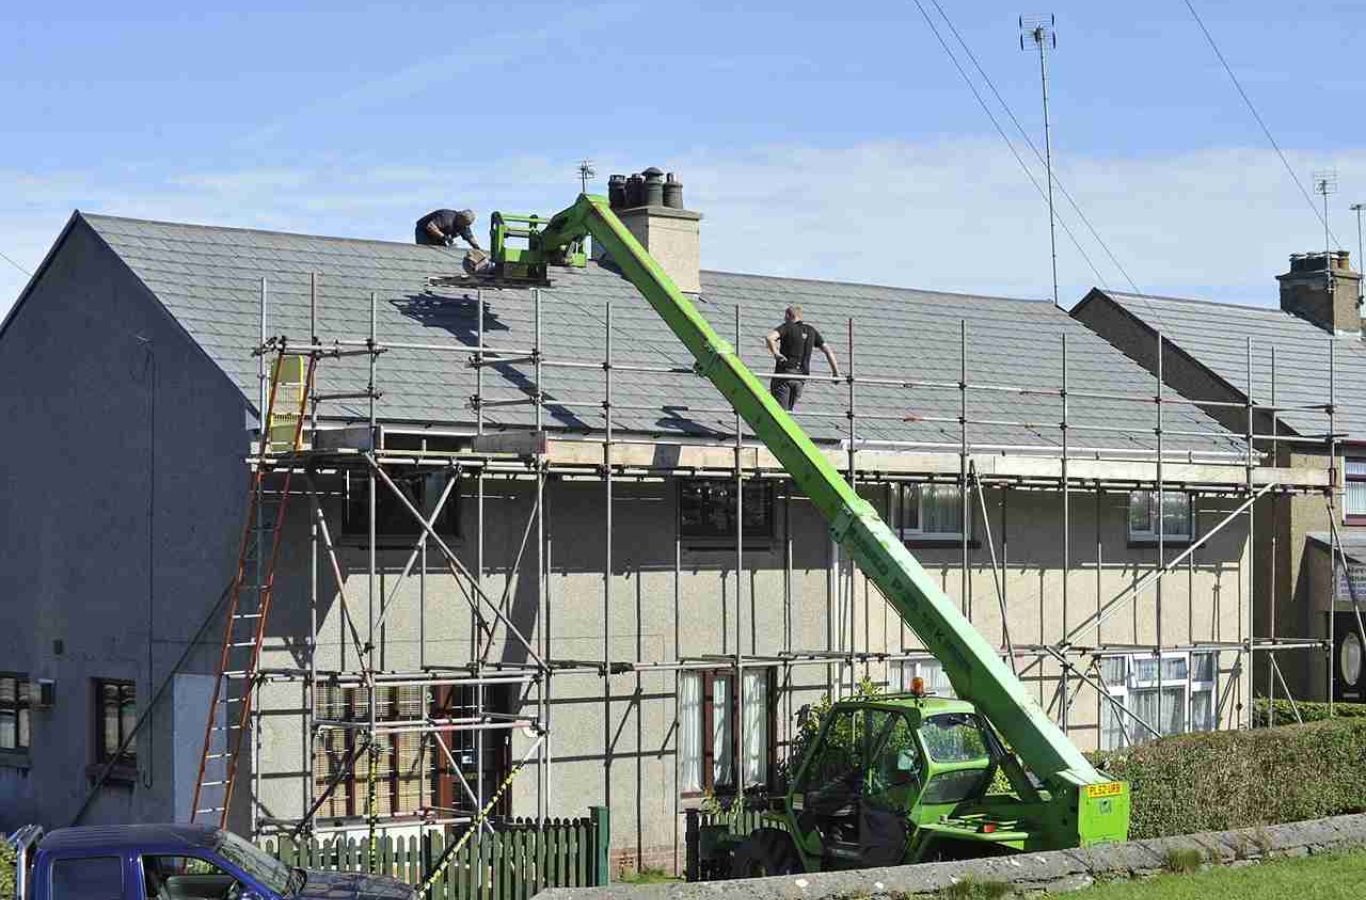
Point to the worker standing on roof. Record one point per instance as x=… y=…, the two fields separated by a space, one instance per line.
x=791 y=344
x=441 y=227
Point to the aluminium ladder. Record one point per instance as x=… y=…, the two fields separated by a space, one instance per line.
x=229 y=713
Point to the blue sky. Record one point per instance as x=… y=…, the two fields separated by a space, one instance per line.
x=818 y=139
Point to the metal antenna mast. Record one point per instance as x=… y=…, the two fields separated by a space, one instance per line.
x=1325 y=183
x=1357 y=208
x=586 y=174
x=1039 y=31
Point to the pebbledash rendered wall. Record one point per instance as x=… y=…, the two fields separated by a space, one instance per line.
x=666 y=606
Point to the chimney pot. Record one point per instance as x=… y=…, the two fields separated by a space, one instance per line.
x=635 y=191
x=654 y=187
x=616 y=191
x=673 y=192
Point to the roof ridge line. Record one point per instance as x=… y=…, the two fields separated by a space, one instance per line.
x=94 y=217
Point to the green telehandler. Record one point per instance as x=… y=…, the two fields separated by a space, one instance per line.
x=893 y=779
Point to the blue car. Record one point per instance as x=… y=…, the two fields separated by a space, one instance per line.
x=174 y=862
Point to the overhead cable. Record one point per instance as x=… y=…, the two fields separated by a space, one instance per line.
x=1037 y=155
x=1005 y=137
x=5 y=256
x=1260 y=121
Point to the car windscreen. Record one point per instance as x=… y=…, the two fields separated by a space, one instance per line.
x=258 y=864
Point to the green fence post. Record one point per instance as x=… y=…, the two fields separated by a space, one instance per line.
x=496 y=875
x=692 y=844
x=602 y=843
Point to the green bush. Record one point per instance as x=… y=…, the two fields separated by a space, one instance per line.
x=1239 y=779
x=809 y=722
x=1309 y=712
x=6 y=870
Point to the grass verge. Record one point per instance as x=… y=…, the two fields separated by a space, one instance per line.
x=1309 y=878
x=646 y=876
x=972 y=889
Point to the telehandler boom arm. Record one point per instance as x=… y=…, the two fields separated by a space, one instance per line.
x=974 y=667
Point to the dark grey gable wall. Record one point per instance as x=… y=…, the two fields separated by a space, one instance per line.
x=121 y=492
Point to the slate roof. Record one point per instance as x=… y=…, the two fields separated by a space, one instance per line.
x=209 y=279
x=1216 y=336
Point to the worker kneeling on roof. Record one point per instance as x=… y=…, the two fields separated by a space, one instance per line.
x=791 y=344
x=441 y=227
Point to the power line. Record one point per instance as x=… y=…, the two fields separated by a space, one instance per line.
x=1304 y=192
x=7 y=259
x=1001 y=131
x=1062 y=189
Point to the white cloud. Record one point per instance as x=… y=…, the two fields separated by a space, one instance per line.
x=953 y=215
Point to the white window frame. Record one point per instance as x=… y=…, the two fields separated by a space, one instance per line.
x=1149 y=534
x=1131 y=685
x=900 y=672
x=690 y=718
x=754 y=703
x=693 y=701
x=16 y=713
x=1353 y=472
x=1210 y=687
x=902 y=490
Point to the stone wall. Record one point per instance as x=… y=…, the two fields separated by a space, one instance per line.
x=1054 y=872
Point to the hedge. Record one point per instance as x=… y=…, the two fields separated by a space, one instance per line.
x=1309 y=712
x=6 y=870
x=1241 y=779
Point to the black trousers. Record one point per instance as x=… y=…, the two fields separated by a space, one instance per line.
x=421 y=236
x=786 y=391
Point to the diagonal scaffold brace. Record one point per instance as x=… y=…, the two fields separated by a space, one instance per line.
x=443 y=862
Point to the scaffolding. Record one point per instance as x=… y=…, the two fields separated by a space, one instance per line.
x=371 y=449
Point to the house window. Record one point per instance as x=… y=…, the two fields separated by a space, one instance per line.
x=1354 y=504
x=931 y=512
x=900 y=673
x=14 y=712
x=706 y=508
x=393 y=521
x=402 y=769
x=708 y=732
x=1175 y=517
x=1204 y=676
x=1174 y=694
x=115 y=716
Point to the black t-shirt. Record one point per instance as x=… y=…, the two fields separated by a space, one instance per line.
x=448 y=222
x=796 y=340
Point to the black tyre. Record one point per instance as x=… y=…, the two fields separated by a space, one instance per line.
x=767 y=851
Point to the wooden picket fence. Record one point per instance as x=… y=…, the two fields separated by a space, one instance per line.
x=513 y=863
x=701 y=827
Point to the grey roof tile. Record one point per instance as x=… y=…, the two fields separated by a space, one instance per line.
x=1217 y=335
x=209 y=278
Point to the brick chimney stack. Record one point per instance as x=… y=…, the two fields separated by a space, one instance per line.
x=650 y=205
x=1322 y=288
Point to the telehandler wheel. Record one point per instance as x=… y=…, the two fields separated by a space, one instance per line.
x=768 y=851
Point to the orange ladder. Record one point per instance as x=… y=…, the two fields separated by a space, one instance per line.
x=253 y=588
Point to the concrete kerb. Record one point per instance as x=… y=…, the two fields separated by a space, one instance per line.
x=1029 y=873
